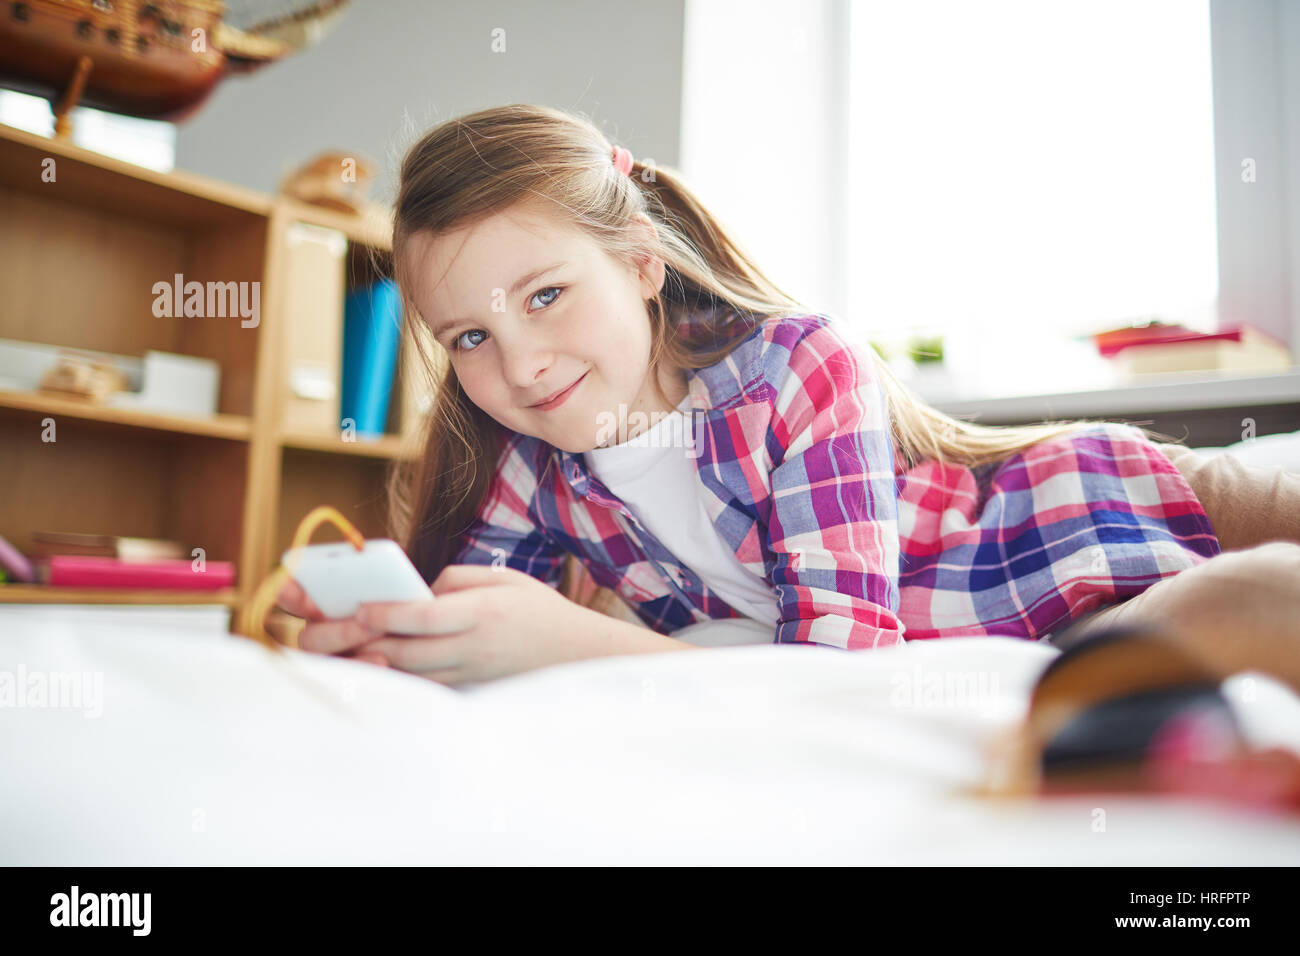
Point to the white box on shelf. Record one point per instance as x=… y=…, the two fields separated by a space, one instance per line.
x=161 y=381
x=315 y=282
x=24 y=364
x=177 y=384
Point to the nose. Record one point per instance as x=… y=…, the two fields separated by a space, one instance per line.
x=525 y=359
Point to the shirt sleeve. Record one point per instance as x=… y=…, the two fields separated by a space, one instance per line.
x=833 y=525
x=504 y=533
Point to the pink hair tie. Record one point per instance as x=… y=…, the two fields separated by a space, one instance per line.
x=622 y=160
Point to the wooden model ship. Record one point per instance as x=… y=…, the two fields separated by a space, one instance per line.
x=159 y=60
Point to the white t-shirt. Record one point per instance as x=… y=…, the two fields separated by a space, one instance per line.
x=654 y=475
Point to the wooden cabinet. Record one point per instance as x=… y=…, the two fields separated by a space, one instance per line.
x=84 y=239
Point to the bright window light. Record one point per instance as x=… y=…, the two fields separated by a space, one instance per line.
x=149 y=143
x=1022 y=173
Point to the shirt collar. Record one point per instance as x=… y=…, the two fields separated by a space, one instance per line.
x=711 y=390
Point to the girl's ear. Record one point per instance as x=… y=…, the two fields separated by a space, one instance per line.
x=653 y=273
x=650 y=268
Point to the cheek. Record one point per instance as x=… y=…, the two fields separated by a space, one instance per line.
x=478 y=387
x=610 y=331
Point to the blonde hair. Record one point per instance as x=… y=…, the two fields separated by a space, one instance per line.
x=474 y=166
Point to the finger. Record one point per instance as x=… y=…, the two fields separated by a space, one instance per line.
x=448 y=678
x=372 y=658
x=455 y=577
x=420 y=654
x=449 y=614
x=289 y=599
x=295 y=601
x=362 y=652
x=332 y=637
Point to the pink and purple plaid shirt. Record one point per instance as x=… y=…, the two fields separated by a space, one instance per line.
x=790 y=434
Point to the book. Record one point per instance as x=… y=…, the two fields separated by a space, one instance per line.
x=372 y=324
x=1113 y=341
x=1160 y=349
x=1131 y=710
x=14 y=564
x=47 y=543
x=77 y=571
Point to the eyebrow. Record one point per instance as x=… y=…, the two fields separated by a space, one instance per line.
x=518 y=284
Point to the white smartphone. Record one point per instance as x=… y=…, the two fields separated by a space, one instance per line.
x=339 y=578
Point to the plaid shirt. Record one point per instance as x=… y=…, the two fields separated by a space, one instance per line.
x=797 y=467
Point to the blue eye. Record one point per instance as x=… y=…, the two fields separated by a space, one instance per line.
x=462 y=348
x=550 y=288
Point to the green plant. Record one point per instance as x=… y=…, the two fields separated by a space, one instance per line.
x=923 y=349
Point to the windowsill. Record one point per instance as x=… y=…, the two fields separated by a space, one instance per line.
x=1175 y=391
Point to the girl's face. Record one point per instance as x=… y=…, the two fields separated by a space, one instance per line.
x=526 y=307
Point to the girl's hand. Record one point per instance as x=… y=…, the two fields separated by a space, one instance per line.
x=483 y=623
x=341 y=636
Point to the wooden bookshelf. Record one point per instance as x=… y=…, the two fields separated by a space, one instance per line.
x=36 y=594
x=388 y=446
x=235 y=427
x=79 y=256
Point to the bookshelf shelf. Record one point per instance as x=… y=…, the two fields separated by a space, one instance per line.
x=233 y=427
x=373 y=229
x=393 y=447
x=40 y=594
x=94 y=181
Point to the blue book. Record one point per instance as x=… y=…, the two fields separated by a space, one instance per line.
x=372 y=317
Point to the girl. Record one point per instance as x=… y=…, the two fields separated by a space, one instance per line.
x=622 y=384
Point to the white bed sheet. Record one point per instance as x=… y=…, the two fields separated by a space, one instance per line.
x=211 y=751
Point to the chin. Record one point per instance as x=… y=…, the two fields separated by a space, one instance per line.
x=576 y=447
x=555 y=438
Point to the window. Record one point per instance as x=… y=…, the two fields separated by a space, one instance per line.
x=1024 y=173
x=1009 y=174
x=150 y=143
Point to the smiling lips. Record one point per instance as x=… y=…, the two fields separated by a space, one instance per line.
x=558 y=399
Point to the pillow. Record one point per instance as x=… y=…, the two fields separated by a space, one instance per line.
x=1265 y=451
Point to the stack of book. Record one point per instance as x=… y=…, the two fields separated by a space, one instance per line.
x=62 y=559
x=1159 y=348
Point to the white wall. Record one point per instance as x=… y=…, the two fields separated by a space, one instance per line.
x=763 y=137
x=1256 y=53
x=390 y=63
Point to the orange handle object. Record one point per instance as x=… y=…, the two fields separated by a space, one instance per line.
x=252 y=617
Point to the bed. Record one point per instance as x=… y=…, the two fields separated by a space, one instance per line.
x=173 y=743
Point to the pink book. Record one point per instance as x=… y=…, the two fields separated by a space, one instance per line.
x=78 y=571
x=1110 y=343
x=14 y=562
